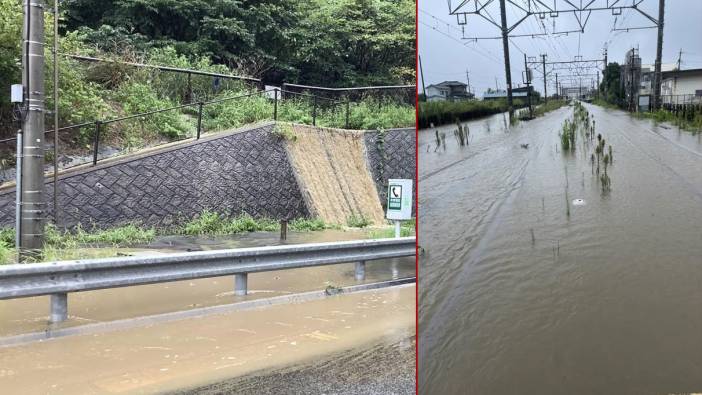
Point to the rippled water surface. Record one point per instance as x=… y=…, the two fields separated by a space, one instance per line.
x=521 y=291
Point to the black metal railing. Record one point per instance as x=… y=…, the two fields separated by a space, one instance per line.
x=317 y=103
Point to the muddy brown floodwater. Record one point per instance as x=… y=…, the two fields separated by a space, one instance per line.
x=518 y=296
x=354 y=329
x=30 y=314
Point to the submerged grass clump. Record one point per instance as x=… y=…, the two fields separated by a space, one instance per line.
x=462 y=132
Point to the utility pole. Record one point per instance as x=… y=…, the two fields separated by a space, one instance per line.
x=421 y=72
x=505 y=47
x=632 y=65
x=32 y=176
x=56 y=112
x=659 y=54
x=604 y=75
x=543 y=64
x=527 y=81
x=557 y=93
x=598 y=84
x=679 y=58
x=468 y=79
x=497 y=87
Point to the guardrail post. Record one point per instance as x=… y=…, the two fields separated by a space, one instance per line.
x=275 y=105
x=59 y=307
x=314 y=111
x=199 y=119
x=348 y=105
x=360 y=271
x=240 y=284
x=284 y=229
x=96 y=143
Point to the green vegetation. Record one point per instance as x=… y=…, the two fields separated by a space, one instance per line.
x=443 y=112
x=407 y=228
x=691 y=120
x=285 y=131
x=308 y=225
x=551 y=105
x=65 y=245
x=211 y=223
x=362 y=43
x=98 y=243
x=357 y=221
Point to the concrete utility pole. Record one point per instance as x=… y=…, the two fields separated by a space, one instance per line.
x=527 y=81
x=421 y=72
x=468 y=79
x=543 y=64
x=598 y=85
x=32 y=204
x=56 y=111
x=659 y=54
x=557 y=93
x=604 y=75
x=505 y=46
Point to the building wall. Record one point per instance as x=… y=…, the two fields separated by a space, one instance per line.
x=436 y=94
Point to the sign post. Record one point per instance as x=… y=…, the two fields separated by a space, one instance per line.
x=399 y=202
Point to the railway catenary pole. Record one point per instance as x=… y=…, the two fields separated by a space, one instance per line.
x=505 y=48
x=32 y=204
x=462 y=9
x=543 y=64
x=421 y=72
x=659 y=54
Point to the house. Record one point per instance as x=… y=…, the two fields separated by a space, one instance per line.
x=681 y=87
x=448 y=90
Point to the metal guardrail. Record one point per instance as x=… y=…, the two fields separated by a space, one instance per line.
x=60 y=278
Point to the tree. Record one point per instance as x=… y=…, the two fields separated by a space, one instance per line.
x=611 y=85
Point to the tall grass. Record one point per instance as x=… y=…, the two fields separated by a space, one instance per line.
x=443 y=112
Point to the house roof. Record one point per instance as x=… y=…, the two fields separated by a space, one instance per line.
x=447 y=84
x=681 y=73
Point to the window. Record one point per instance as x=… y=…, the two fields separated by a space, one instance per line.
x=698 y=92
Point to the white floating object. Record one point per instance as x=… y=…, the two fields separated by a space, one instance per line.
x=578 y=202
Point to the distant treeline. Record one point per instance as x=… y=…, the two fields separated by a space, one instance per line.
x=443 y=112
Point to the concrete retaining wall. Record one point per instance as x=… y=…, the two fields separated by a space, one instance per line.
x=246 y=170
x=391 y=154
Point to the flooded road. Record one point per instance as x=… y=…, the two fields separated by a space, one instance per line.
x=350 y=334
x=30 y=314
x=523 y=293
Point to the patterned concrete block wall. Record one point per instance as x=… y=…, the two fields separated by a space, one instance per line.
x=391 y=154
x=244 y=171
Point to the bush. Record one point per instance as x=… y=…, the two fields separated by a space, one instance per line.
x=357 y=221
x=443 y=112
x=209 y=222
x=307 y=225
x=137 y=98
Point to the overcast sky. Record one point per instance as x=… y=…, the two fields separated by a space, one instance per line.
x=446 y=56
